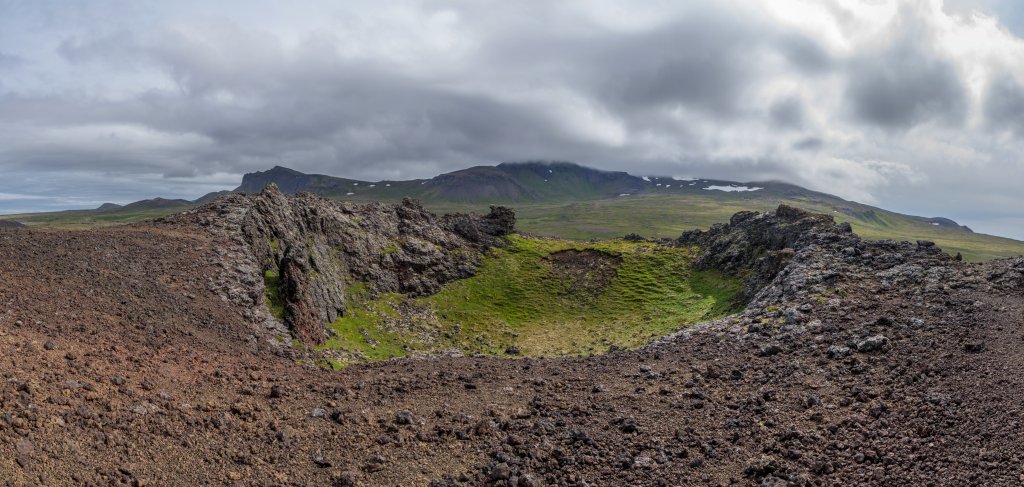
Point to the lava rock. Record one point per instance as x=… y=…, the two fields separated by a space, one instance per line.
x=838 y=351
x=405 y=418
x=769 y=350
x=974 y=347
x=872 y=344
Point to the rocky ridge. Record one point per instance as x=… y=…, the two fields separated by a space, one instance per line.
x=316 y=247
x=759 y=246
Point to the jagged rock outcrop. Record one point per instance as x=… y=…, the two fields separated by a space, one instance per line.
x=787 y=254
x=758 y=246
x=1007 y=274
x=315 y=247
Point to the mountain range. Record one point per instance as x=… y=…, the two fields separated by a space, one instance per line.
x=506 y=182
x=572 y=201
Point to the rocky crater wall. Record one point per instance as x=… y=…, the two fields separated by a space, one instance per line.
x=315 y=247
x=758 y=246
x=795 y=261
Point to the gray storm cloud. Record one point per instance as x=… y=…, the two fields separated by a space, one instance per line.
x=1004 y=105
x=891 y=104
x=903 y=83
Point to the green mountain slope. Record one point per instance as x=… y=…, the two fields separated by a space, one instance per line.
x=105 y=214
x=566 y=200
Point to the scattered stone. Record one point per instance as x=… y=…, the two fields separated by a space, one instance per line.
x=877 y=343
x=527 y=480
x=320 y=461
x=643 y=462
x=761 y=467
x=974 y=347
x=24 y=446
x=501 y=471
x=85 y=412
x=374 y=463
x=405 y=418
x=769 y=350
x=484 y=427
x=348 y=478
x=838 y=351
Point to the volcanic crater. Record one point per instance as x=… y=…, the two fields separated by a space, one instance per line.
x=147 y=354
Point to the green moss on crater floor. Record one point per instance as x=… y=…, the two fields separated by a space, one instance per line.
x=541 y=297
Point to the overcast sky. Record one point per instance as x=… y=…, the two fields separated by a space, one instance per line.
x=915 y=106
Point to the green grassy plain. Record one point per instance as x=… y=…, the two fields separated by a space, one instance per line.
x=85 y=219
x=651 y=214
x=668 y=215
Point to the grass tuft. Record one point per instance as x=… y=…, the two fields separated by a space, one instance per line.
x=272 y=293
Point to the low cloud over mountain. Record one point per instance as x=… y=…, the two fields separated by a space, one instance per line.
x=910 y=105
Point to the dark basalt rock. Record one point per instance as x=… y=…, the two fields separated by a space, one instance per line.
x=1007 y=274
x=499 y=222
x=318 y=246
x=759 y=245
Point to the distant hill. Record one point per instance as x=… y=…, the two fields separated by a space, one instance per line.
x=208 y=197
x=291 y=181
x=156 y=203
x=568 y=200
x=947 y=223
x=531 y=181
x=506 y=182
x=525 y=182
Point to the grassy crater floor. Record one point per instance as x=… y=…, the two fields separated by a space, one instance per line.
x=542 y=298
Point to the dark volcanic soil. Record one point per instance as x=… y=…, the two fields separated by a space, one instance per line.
x=858 y=364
